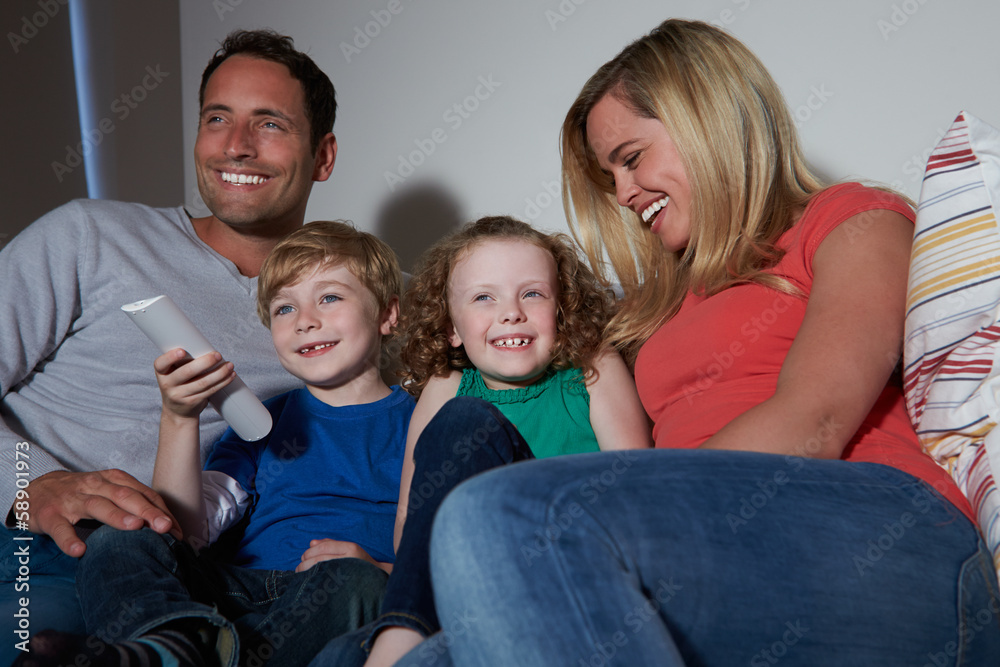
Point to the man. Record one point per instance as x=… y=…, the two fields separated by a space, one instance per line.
x=78 y=396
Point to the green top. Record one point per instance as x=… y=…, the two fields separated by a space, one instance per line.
x=553 y=414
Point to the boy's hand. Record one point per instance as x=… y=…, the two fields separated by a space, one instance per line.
x=186 y=384
x=327 y=549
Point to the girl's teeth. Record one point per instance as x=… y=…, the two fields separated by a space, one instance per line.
x=654 y=208
x=512 y=342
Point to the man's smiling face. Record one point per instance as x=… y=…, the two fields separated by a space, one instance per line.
x=253 y=159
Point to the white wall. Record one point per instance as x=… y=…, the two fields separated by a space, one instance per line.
x=873 y=82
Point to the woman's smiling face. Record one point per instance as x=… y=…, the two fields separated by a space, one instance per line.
x=648 y=173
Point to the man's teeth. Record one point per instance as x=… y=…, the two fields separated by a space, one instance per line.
x=653 y=208
x=511 y=342
x=240 y=179
x=315 y=347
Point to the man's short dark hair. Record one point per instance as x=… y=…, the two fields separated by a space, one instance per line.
x=321 y=99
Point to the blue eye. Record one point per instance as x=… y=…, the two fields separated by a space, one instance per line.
x=533 y=292
x=283 y=310
x=330 y=298
x=481 y=297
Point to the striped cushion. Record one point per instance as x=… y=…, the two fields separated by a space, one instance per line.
x=952 y=310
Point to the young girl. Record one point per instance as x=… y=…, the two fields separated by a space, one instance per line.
x=507 y=314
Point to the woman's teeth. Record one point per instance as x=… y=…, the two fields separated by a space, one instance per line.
x=653 y=208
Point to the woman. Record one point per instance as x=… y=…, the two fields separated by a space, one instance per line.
x=788 y=509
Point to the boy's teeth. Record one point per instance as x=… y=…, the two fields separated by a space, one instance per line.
x=316 y=347
x=653 y=208
x=240 y=179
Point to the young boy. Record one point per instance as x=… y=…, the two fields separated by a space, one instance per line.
x=315 y=500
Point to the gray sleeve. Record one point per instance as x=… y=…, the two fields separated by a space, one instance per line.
x=39 y=272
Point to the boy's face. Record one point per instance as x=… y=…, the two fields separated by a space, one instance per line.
x=502 y=299
x=327 y=330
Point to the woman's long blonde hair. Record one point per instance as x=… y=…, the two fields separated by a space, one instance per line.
x=741 y=155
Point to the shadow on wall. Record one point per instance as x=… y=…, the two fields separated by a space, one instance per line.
x=413 y=220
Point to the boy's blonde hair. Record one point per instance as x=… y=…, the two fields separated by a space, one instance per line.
x=584 y=305
x=741 y=155
x=322 y=244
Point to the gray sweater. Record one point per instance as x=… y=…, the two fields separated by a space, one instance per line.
x=76 y=376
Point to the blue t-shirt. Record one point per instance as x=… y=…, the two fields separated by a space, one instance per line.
x=322 y=472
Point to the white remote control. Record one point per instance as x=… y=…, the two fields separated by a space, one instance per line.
x=169 y=328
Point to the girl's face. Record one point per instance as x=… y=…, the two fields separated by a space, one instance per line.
x=502 y=298
x=647 y=170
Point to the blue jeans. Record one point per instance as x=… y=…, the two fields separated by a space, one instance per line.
x=466 y=437
x=131 y=582
x=708 y=558
x=34 y=569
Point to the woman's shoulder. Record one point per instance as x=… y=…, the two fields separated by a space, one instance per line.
x=837 y=204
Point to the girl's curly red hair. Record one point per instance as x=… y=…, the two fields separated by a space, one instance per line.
x=585 y=304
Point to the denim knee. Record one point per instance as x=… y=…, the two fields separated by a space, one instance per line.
x=469 y=407
x=469 y=507
x=109 y=537
x=114 y=552
x=463 y=416
x=472 y=433
x=110 y=542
